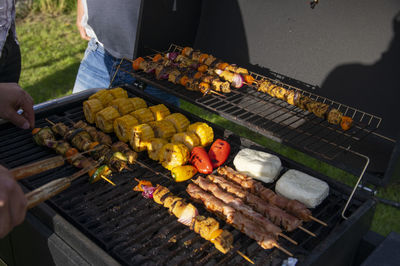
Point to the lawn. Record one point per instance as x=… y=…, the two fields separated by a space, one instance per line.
x=52 y=49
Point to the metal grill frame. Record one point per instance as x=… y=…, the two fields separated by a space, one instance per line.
x=363 y=203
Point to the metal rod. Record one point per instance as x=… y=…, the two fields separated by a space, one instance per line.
x=358 y=181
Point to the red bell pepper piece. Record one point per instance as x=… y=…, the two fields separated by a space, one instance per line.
x=219 y=152
x=199 y=158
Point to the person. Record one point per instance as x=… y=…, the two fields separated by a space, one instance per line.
x=110 y=27
x=13 y=97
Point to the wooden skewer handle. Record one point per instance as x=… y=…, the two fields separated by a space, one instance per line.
x=46 y=191
x=28 y=170
x=54 y=187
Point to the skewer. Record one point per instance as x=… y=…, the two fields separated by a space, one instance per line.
x=108 y=180
x=51 y=122
x=318 y=220
x=284 y=250
x=244 y=256
x=287 y=238
x=308 y=232
x=211 y=91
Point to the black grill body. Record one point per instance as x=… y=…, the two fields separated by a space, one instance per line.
x=100 y=224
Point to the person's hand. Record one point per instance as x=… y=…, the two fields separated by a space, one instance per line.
x=79 y=14
x=12 y=202
x=13 y=98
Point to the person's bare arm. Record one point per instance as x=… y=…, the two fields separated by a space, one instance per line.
x=12 y=99
x=79 y=14
x=12 y=203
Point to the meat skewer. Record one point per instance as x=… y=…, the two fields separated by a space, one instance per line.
x=207 y=227
x=294 y=207
x=239 y=221
x=165 y=70
x=240 y=206
x=79 y=138
x=275 y=214
x=237 y=76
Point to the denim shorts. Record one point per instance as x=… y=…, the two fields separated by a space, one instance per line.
x=98 y=67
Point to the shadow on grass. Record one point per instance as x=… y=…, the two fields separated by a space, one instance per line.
x=55 y=85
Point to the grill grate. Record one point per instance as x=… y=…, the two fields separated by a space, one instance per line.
x=137 y=230
x=277 y=119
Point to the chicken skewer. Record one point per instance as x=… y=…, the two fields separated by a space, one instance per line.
x=265 y=239
x=294 y=207
x=237 y=76
x=240 y=206
x=275 y=214
x=175 y=75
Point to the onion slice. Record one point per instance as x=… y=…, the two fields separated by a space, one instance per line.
x=237 y=81
x=172 y=56
x=188 y=215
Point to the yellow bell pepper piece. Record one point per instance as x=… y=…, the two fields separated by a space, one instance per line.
x=183 y=172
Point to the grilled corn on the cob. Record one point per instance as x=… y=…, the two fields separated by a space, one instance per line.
x=203 y=131
x=123 y=127
x=160 y=111
x=154 y=146
x=179 y=120
x=104 y=96
x=119 y=93
x=190 y=139
x=105 y=119
x=141 y=135
x=143 y=115
x=123 y=105
x=90 y=109
x=173 y=154
x=163 y=129
x=138 y=103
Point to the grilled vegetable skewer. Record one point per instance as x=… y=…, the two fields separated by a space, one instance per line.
x=237 y=76
x=45 y=137
x=187 y=214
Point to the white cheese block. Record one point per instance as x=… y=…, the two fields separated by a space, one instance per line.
x=258 y=165
x=302 y=187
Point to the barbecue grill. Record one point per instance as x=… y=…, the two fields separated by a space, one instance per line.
x=130 y=229
x=100 y=224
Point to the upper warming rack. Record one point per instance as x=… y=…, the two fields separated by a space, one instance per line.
x=276 y=118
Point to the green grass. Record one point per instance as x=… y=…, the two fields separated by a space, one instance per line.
x=51 y=52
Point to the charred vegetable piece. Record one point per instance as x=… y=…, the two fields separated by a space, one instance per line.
x=346 y=122
x=219 y=152
x=157 y=58
x=70 y=153
x=43 y=135
x=183 y=172
x=117 y=162
x=199 y=158
x=136 y=63
x=101 y=171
